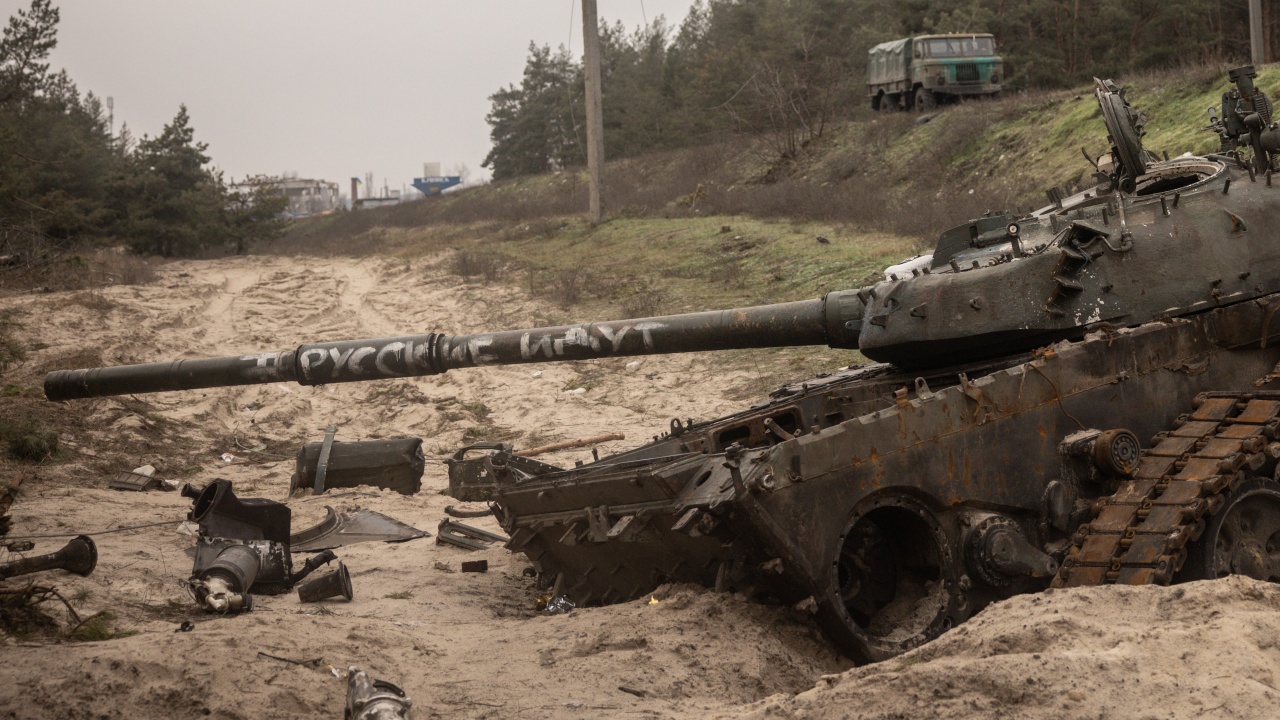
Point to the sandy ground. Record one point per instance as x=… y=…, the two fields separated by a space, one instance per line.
x=473 y=645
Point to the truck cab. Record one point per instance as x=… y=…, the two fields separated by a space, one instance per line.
x=924 y=71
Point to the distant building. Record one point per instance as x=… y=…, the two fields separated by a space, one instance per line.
x=306 y=197
x=377 y=202
x=388 y=197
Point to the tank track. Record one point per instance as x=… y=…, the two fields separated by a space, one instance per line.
x=1139 y=534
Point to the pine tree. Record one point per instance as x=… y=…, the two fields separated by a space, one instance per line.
x=169 y=201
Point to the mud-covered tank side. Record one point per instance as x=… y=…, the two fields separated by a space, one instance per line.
x=831 y=320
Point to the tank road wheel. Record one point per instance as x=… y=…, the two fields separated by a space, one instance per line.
x=893 y=581
x=926 y=101
x=1243 y=538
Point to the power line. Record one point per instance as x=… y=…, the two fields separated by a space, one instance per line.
x=572 y=5
x=7 y=538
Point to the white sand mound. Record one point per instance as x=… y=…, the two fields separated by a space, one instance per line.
x=1205 y=649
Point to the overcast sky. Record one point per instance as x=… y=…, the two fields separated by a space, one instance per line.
x=325 y=88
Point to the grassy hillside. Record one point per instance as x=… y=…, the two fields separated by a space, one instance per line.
x=877 y=187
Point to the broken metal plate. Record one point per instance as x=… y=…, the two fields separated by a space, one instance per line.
x=348 y=528
x=129 y=480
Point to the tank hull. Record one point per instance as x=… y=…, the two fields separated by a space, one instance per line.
x=734 y=504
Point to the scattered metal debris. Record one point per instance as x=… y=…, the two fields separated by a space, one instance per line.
x=452 y=511
x=186 y=626
x=139 y=479
x=395 y=464
x=312 y=663
x=311 y=564
x=347 y=528
x=369 y=699
x=475 y=566
x=331 y=585
x=570 y=444
x=222 y=584
x=242 y=547
x=558 y=605
x=80 y=556
x=475 y=479
x=465 y=536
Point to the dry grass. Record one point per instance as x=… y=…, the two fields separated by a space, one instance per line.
x=469 y=264
x=12 y=350
x=44 y=265
x=885 y=173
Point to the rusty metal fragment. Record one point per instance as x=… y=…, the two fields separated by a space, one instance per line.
x=80 y=556
x=369 y=699
x=466 y=536
x=392 y=464
x=347 y=528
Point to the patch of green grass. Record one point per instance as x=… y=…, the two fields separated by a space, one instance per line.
x=478 y=432
x=904 y=663
x=478 y=409
x=399 y=595
x=682 y=264
x=28 y=439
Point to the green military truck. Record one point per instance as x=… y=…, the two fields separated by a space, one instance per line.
x=921 y=72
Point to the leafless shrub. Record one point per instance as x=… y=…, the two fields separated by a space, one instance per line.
x=93 y=300
x=120 y=267
x=470 y=264
x=646 y=303
x=12 y=350
x=567 y=289
x=543 y=228
x=730 y=273
x=30 y=259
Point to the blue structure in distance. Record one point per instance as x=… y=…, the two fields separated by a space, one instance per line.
x=434 y=185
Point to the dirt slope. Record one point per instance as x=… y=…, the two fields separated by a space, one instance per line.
x=1205 y=649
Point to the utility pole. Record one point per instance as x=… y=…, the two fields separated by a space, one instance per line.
x=1267 y=52
x=595 y=121
x=1257 y=46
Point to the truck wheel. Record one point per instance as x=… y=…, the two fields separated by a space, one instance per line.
x=925 y=100
x=889 y=102
x=876 y=102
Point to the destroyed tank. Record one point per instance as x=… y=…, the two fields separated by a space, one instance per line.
x=1079 y=395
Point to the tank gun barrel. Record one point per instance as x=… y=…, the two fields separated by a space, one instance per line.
x=831 y=320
